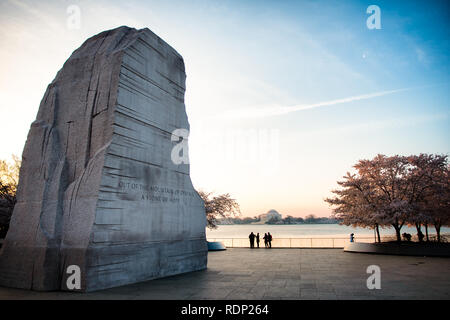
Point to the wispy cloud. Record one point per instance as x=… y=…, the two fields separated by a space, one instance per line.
x=45 y=18
x=281 y=110
x=407 y=121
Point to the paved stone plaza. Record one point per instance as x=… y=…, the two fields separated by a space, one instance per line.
x=284 y=274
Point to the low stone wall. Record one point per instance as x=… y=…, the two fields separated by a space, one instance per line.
x=404 y=249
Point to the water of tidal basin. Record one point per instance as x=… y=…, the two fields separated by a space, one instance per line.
x=306 y=231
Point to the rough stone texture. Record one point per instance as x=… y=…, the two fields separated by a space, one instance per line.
x=97 y=185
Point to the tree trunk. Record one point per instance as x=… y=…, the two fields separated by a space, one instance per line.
x=397 y=232
x=426 y=231
x=419 y=231
x=438 y=232
x=378 y=233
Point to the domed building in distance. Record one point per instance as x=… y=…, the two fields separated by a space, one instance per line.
x=270 y=215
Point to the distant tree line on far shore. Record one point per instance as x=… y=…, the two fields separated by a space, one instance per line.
x=309 y=219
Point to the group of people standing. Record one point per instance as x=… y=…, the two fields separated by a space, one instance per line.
x=267 y=240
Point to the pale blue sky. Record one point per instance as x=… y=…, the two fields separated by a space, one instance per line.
x=327 y=90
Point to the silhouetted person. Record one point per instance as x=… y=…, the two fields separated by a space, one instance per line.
x=406 y=236
x=252 y=240
x=257 y=239
x=266 y=239
x=269 y=240
x=352 y=237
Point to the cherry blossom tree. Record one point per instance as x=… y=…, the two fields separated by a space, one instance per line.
x=387 y=177
x=221 y=206
x=9 y=179
x=435 y=204
x=395 y=191
x=425 y=181
x=356 y=203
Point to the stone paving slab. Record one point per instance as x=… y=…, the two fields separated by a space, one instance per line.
x=254 y=274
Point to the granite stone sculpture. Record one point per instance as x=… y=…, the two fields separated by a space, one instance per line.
x=98 y=188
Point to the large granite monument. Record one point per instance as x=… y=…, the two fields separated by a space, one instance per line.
x=98 y=188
